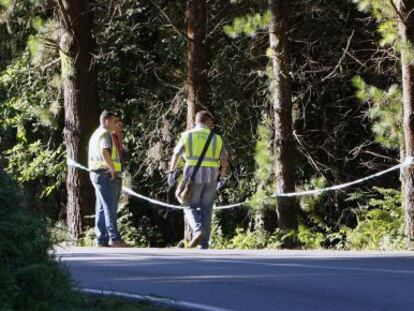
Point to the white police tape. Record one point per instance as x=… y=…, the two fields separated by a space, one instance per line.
x=153 y=201
x=73 y=163
x=408 y=161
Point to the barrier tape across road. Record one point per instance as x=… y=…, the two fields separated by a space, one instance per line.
x=408 y=161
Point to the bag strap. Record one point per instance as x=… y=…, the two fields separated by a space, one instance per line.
x=203 y=153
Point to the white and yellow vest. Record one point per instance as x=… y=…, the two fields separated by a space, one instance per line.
x=194 y=142
x=95 y=159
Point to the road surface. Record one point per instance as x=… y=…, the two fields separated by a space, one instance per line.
x=252 y=280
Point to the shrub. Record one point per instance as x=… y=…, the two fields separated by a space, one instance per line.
x=30 y=278
x=304 y=237
x=381 y=224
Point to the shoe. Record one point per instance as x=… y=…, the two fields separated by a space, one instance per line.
x=104 y=244
x=196 y=239
x=118 y=244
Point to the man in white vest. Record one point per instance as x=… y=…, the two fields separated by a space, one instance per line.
x=105 y=173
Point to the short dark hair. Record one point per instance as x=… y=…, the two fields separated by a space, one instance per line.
x=203 y=116
x=105 y=115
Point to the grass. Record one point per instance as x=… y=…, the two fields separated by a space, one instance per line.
x=112 y=303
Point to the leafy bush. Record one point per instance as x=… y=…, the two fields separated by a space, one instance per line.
x=246 y=239
x=304 y=237
x=111 y=303
x=29 y=277
x=381 y=224
x=141 y=233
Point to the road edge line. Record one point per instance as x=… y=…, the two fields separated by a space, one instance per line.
x=189 y=306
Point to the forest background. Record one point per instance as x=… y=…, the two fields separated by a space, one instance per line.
x=346 y=92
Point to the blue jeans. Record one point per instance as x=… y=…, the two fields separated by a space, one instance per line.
x=199 y=212
x=107 y=198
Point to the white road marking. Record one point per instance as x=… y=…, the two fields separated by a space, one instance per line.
x=164 y=301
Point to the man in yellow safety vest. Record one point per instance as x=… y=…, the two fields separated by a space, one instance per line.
x=105 y=173
x=208 y=178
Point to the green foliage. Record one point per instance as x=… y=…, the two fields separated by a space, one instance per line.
x=264 y=166
x=31 y=143
x=304 y=237
x=310 y=202
x=309 y=239
x=43 y=44
x=88 y=238
x=217 y=238
x=5 y=3
x=381 y=223
x=385 y=13
x=248 y=25
x=140 y=232
x=113 y=303
x=32 y=162
x=59 y=233
x=246 y=239
x=30 y=278
x=385 y=112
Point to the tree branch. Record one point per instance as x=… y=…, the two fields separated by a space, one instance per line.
x=180 y=32
x=65 y=16
x=397 y=11
x=341 y=59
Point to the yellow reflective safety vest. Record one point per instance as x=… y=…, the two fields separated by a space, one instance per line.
x=95 y=159
x=194 y=142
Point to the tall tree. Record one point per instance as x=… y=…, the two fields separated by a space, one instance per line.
x=197 y=83
x=284 y=146
x=405 y=9
x=80 y=104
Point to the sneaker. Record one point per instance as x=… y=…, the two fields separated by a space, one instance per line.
x=119 y=244
x=104 y=244
x=196 y=239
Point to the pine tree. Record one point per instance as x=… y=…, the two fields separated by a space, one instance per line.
x=80 y=103
x=396 y=26
x=406 y=30
x=197 y=83
x=276 y=19
x=285 y=150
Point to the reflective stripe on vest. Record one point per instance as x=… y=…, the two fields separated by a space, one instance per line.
x=194 y=142
x=95 y=161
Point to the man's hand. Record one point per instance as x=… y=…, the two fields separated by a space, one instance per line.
x=220 y=183
x=111 y=172
x=171 y=179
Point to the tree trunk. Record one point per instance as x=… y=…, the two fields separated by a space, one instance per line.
x=197 y=83
x=284 y=146
x=80 y=104
x=406 y=28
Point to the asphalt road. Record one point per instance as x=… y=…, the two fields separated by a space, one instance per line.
x=252 y=280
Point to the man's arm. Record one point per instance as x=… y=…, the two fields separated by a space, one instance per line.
x=178 y=152
x=174 y=162
x=224 y=164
